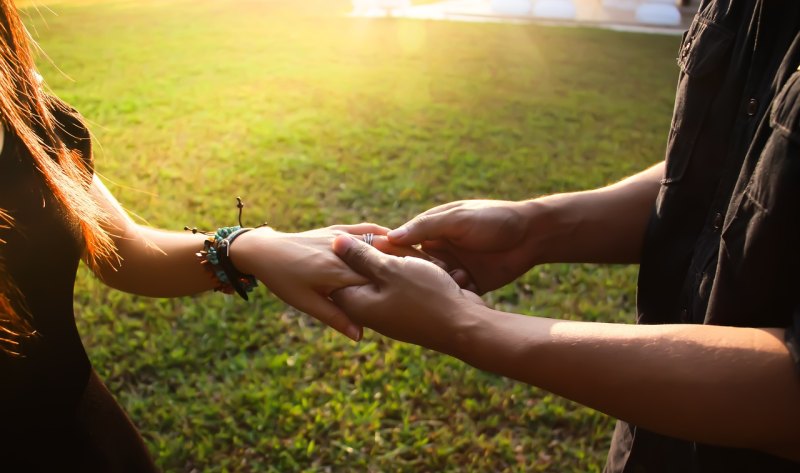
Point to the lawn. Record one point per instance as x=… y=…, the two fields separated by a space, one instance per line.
x=315 y=118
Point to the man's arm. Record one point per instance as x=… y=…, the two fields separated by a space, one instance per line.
x=494 y=242
x=720 y=385
x=727 y=386
x=604 y=225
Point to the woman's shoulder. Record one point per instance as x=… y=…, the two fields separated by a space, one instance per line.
x=71 y=128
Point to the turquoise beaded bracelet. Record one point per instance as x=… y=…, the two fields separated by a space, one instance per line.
x=215 y=257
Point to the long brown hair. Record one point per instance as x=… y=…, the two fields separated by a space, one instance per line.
x=27 y=112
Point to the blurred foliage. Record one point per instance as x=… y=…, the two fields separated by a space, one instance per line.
x=316 y=118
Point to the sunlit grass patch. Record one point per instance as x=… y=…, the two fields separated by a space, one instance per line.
x=315 y=118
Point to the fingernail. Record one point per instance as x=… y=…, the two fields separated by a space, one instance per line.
x=342 y=243
x=355 y=333
x=397 y=233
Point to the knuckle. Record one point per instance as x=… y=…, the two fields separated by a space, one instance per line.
x=423 y=222
x=383 y=272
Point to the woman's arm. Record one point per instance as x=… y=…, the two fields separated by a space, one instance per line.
x=152 y=262
x=299 y=268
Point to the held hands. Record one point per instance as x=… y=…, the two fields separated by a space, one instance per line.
x=485 y=243
x=302 y=270
x=407 y=298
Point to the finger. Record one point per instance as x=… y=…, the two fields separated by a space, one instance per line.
x=424 y=227
x=438 y=262
x=384 y=245
x=461 y=277
x=340 y=275
x=473 y=297
x=362 y=228
x=361 y=257
x=343 y=278
x=444 y=252
x=328 y=313
x=436 y=245
x=442 y=208
x=444 y=255
x=351 y=300
x=409 y=232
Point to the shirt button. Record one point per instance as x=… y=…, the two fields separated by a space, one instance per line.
x=718 y=220
x=752 y=107
x=686 y=48
x=685 y=315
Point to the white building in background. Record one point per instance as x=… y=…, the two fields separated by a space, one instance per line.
x=658 y=12
x=511 y=7
x=365 y=6
x=655 y=13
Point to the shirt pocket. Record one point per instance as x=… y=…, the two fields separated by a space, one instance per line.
x=759 y=254
x=703 y=54
x=785 y=115
x=775 y=184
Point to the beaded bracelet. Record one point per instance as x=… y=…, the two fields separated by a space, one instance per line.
x=215 y=257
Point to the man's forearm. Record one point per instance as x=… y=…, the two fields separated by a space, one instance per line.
x=720 y=385
x=599 y=226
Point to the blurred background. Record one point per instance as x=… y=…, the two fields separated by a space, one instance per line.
x=315 y=116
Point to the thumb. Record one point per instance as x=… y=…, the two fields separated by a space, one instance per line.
x=421 y=228
x=362 y=258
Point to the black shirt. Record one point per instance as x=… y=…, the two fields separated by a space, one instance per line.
x=722 y=244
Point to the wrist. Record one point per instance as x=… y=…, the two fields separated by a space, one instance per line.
x=551 y=222
x=244 y=249
x=467 y=328
x=538 y=216
x=504 y=343
x=215 y=258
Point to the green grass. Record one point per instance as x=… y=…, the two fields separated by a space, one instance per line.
x=315 y=118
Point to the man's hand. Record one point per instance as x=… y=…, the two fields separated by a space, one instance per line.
x=485 y=243
x=408 y=299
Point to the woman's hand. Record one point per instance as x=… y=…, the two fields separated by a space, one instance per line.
x=408 y=299
x=302 y=270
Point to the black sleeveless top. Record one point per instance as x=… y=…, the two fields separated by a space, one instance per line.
x=55 y=413
x=41 y=253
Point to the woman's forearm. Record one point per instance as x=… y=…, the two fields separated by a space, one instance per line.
x=605 y=225
x=158 y=263
x=152 y=262
x=720 y=385
x=299 y=268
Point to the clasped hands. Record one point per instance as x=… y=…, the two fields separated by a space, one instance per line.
x=410 y=285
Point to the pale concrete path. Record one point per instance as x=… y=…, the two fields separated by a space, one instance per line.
x=611 y=14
